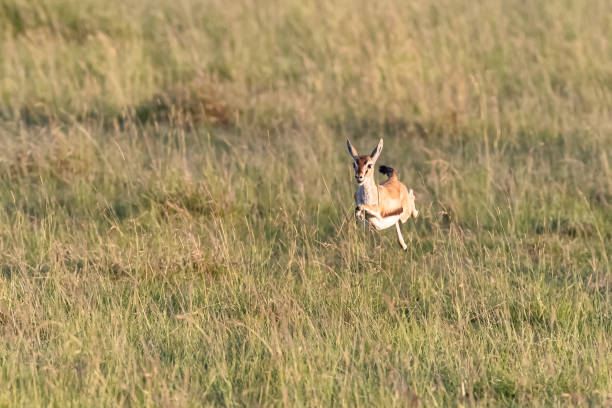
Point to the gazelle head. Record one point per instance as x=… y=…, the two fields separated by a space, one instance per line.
x=364 y=165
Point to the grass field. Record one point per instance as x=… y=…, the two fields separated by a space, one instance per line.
x=176 y=203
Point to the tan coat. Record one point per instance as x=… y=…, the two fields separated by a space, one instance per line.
x=384 y=205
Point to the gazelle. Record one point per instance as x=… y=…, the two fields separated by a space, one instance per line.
x=381 y=205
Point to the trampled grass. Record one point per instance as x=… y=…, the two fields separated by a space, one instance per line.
x=176 y=203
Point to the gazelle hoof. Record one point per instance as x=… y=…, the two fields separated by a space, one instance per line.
x=359 y=213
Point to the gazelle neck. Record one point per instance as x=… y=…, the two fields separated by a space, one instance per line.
x=367 y=192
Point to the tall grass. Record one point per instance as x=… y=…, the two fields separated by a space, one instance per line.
x=176 y=203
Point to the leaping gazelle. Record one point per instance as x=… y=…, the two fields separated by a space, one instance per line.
x=381 y=205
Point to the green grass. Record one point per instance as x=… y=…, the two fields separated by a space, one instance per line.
x=176 y=203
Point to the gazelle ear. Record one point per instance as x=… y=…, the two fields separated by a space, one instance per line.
x=351 y=150
x=377 y=150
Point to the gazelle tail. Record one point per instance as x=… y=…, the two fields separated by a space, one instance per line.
x=387 y=171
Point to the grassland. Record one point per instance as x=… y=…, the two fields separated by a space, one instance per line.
x=176 y=203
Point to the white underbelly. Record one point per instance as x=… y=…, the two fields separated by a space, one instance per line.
x=384 y=223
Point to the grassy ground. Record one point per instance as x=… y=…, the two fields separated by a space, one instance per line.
x=176 y=203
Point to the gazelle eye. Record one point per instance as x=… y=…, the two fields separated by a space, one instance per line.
x=370 y=166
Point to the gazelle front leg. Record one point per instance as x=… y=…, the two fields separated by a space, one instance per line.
x=363 y=209
x=400 y=237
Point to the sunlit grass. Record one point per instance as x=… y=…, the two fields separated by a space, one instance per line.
x=176 y=203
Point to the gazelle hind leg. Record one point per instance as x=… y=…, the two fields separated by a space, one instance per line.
x=414 y=212
x=400 y=238
x=409 y=209
x=409 y=212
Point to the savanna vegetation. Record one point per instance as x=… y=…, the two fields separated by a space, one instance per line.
x=176 y=203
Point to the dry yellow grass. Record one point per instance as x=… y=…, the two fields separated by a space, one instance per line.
x=176 y=203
